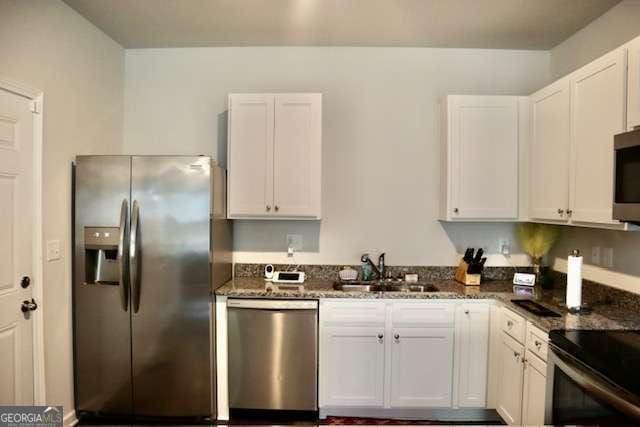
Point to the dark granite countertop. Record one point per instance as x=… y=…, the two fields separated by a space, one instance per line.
x=606 y=313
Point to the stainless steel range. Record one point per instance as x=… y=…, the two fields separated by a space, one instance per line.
x=593 y=378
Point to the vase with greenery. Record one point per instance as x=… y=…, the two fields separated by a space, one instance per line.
x=537 y=240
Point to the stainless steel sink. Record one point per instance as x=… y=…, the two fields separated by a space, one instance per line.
x=377 y=286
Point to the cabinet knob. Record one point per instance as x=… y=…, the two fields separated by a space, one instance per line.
x=538 y=344
x=509 y=323
x=380 y=338
x=456 y=210
x=396 y=337
x=466 y=312
x=268 y=208
x=276 y=208
x=560 y=211
x=569 y=212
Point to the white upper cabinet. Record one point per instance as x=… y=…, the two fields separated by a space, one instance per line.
x=296 y=155
x=250 y=155
x=598 y=103
x=633 y=85
x=274 y=156
x=549 y=152
x=480 y=158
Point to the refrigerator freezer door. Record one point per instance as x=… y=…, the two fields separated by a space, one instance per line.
x=171 y=346
x=102 y=340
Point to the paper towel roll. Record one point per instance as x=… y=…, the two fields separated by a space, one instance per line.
x=574 y=280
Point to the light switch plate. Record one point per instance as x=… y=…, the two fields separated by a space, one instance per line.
x=53 y=250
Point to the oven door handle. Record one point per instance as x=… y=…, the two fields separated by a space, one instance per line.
x=619 y=399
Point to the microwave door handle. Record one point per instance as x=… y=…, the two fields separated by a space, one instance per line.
x=121 y=259
x=619 y=399
x=134 y=256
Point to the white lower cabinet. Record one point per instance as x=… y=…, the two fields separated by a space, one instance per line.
x=421 y=367
x=403 y=354
x=535 y=383
x=472 y=354
x=522 y=382
x=510 y=397
x=353 y=358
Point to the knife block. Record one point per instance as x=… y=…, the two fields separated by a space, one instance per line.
x=465 y=278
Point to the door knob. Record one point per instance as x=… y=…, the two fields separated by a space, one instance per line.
x=28 y=305
x=25 y=282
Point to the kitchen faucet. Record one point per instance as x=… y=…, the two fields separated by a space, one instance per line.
x=380 y=269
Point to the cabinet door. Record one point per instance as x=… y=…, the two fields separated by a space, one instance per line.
x=472 y=351
x=484 y=157
x=421 y=367
x=352 y=366
x=297 y=155
x=512 y=376
x=250 y=156
x=535 y=383
x=598 y=113
x=633 y=85
x=549 y=148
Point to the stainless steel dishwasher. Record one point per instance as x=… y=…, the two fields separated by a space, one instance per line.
x=273 y=354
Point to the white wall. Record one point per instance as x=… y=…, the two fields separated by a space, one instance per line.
x=611 y=30
x=380 y=139
x=617 y=26
x=49 y=46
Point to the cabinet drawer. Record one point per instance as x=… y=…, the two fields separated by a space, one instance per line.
x=513 y=324
x=352 y=312
x=423 y=314
x=537 y=341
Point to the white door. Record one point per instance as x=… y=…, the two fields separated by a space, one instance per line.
x=472 y=351
x=598 y=113
x=511 y=378
x=250 y=155
x=421 y=367
x=549 y=148
x=352 y=366
x=484 y=149
x=633 y=85
x=535 y=383
x=16 y=249
x=297 y=155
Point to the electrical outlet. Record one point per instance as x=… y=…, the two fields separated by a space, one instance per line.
x=595 y=255
x=53 y=250
x=607 y=257
x=295 y=242
x=504 y=247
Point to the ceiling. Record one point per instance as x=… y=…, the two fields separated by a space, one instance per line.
x=496 y=24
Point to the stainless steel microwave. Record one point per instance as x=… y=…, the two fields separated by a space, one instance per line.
x=626 y=194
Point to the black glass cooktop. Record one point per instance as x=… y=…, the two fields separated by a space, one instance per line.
x=614 y=354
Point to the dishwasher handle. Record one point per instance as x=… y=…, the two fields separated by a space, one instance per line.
x=270 y=304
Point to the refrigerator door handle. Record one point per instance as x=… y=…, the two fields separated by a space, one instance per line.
x=122 y=254
x=134 y=256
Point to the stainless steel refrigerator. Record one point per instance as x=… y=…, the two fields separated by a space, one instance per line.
x=151 y=243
